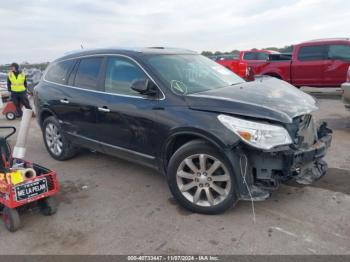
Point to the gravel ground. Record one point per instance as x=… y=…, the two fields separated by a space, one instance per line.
x=110 y=206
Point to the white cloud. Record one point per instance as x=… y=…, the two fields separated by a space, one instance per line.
x=42 y=30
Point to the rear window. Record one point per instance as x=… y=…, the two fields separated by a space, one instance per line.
x=88 y=73
x=311 y=53
x=58 y=72
x=340 y=52
x=255 y=56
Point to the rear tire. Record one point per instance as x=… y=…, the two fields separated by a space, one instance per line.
x=201 y=178
x=11 y=219
x=56 y=143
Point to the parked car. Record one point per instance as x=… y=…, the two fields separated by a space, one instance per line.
x=3 y=86
x=33 y=77
x=319 y=63
x=216 y=138
x=246 y=62
x=346 y=90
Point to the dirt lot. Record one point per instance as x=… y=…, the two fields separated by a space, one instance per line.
x=110 y=206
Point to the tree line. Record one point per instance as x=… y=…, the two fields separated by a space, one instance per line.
x=285 y=49
x=41 y=66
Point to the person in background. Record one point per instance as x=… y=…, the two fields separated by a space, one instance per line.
x=17 y=86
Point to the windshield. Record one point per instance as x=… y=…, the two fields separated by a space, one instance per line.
x=189 y=74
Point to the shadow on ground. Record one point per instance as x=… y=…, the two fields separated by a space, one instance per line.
x=336 y=180
x=338 y=123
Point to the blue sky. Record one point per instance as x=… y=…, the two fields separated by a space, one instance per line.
x=42 y=30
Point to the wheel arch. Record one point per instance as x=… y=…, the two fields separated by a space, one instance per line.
x=180 y=137
x=45 y=113
x=273 y=74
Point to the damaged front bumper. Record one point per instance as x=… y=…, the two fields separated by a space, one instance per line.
x=307 y=163
x=267 y=169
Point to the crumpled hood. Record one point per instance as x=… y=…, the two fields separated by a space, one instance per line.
x=266 y=98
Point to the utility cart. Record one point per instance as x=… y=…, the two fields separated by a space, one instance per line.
x=9 y=111
x=33 y=183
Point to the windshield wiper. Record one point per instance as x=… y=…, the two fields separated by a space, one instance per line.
x=236 y=83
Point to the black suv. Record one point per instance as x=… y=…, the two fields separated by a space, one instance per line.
x=215 y=137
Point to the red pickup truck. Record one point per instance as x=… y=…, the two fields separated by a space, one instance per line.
x=245 y=61
x=321 y=63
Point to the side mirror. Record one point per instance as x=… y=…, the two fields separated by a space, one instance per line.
x=144 y=87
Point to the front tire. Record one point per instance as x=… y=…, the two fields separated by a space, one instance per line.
x=201 y=179
x=56 y=143
x=10 y=116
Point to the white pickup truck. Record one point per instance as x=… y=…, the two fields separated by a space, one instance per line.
x=3 y=85
x=346 y=89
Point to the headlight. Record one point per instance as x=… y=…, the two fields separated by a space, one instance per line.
x=260 y=135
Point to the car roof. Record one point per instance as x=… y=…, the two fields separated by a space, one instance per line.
x=265 y=51
x=127 y=51
x=326 y=41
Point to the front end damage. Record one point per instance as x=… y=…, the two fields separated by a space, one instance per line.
x=262 y=171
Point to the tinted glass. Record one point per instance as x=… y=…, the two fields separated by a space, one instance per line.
x=188 y=74
x=121 y=73
x=58 y=72
x=88 y=72
x=228 y=57
x=340 y=52
x=255 y=56
x=72 y=74
x=309 y=53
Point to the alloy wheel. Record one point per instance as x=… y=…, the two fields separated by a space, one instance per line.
x=53 y=139
x=203 y=180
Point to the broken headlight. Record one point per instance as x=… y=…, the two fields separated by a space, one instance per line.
x=260 y=135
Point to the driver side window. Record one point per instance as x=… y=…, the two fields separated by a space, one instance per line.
x=120 y=74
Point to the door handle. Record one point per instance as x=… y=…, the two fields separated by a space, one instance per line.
x=64 y=101
x=104 y=109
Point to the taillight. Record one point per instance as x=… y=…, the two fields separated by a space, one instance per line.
x=348 y=75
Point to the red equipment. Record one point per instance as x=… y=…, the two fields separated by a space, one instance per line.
x=39 y=189
x=9 y=111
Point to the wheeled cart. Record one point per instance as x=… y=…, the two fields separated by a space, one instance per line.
x=39 y=188
x=9 y=111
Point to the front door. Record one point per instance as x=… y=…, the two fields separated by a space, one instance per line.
x=308 y=67
x=125 y=117
x=337 y=64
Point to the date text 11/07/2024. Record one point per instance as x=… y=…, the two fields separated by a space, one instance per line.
x=172 y=258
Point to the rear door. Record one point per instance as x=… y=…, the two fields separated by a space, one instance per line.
x=82 y=98
x=337 y=64
x=125 y=117
x=308 y=66
x=255 y=61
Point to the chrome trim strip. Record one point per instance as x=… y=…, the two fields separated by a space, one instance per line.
x=101 y=92
x=112 y=146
